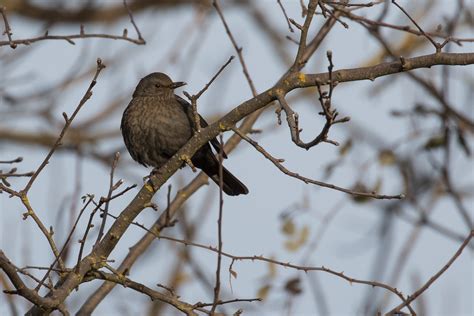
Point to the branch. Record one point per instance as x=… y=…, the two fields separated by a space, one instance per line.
x=20 y=286
x=437 y=46
x=368 y=22
x=277 y=163
x=154 y=295
x=8 y=30
x=217 y=286
x=69 y=38
x=293 y=81
x=287 y=265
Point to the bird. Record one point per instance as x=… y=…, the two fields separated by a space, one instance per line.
x=157 y=123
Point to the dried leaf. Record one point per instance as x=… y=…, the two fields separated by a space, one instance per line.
x=435 y=142
x=387 y=157
x=345 y=148
x=291 y=245
x=293 y=286
x=182 y=278
x=272 y=269
x=264 y=291
x=288 y=227
x=301 y=239
x=304 y=235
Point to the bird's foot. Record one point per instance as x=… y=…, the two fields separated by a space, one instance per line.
x=152 y=173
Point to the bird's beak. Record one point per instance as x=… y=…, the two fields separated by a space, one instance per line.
x=177 y=84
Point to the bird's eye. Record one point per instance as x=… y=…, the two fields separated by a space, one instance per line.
x=157 y=85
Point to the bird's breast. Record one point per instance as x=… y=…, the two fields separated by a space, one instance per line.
x=155 y=129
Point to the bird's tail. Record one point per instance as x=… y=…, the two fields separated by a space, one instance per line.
x=230 y=184
x=206 y=161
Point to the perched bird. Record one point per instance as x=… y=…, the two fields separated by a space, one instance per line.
x=157 y=123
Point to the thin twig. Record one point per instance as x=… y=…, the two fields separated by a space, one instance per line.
x=68 y=121
x=8 y=30
x=13 y=174
x=280 y=263
x=219 y=227
x=23 y=194
x=368 y=22
x=21 y=288
x=16 y=160
x=153 y=294
x=299 y=59
x=412 y=297
x=68 y=239
x=132 y=20
x=82 y=241
x=47 y=233
x=195 y=97
x=286 y=16
x=70 y=38
x=437 y=46
x=270 y=260
x=112 y=188
x=277 y=163
x=238 y=49
x=237 y=300
x=214 y=77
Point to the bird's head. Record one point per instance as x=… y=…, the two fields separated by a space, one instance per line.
x=156 y=83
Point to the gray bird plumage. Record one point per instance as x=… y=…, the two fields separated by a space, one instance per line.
x=157 y=123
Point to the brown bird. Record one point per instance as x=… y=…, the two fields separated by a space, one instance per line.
x=157 y=123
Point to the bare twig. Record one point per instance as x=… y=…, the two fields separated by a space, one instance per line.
x=435 y=44
x=330 y=114
x=68 y=121
x=217 y=287
x=277 y=163
x=237 y=300
x=21 y=288
x=286 y=16
x=299 y=59
x=238 y=49
x=412 y=297
x=70 y=38
x=8 y=30
x=23 y=193
x=193 y=98
x=132 y=20
x=16 y=160
x=153 y=294
x=368 y=22
x=68 y=239
x=112 y=188
x=284 y=264
x=360 y=5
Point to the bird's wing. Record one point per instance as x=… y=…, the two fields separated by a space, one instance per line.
x=187 y=108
